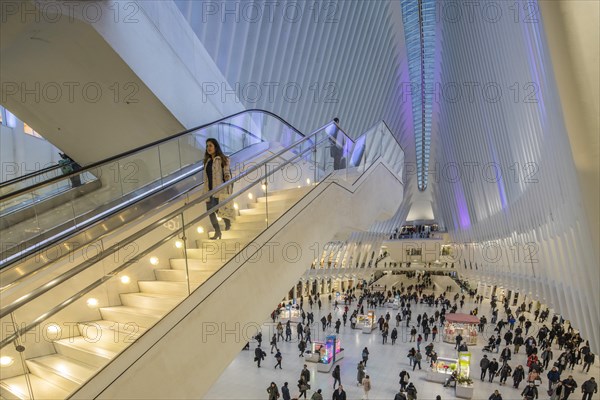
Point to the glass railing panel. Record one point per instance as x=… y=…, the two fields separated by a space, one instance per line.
x=170 y=160
x=29 y=180
x=12 y=205
x=191 y=148
x=13 y=358
x=108 y=178
x=60 y=212
x=140 y=169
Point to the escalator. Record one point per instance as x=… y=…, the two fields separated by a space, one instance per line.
x=132 y=320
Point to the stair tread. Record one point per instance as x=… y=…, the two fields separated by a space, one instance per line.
x=161 y=283
x=42 y=389
x=65 y=366
x=103 y=349
x=136 y=310
x=195 y=271
x=105 y=324
x=154 y=295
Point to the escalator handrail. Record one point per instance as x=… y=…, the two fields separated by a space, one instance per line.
x=29 y=175
x=139 y=149
x=75 y=270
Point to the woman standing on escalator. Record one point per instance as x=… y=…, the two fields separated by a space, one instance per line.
x=217 y=171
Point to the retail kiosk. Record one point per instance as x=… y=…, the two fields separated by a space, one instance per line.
x=291 y=312
x=329 y=353
x=442 y=369
x=366 y=322
x=464 y=324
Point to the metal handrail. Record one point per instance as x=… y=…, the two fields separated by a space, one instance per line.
x=29 y=175
x=137 y=150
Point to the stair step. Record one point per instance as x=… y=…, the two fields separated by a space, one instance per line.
x=16 y=388
x=249 y=225
x=61 y=371
x=212 y=263
x=141 y=317
x=276 y=205
x=280 y=197
x=172 y=288
x=258 y=217
x=179 y=275
x=261 y=208
x=94 y=354
x=238 y=234
x=110 y=331
x=155 y=301
x=221 y=246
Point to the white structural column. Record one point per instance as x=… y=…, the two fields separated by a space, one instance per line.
x=516 y=209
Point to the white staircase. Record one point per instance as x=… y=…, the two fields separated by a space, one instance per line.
x=78 y=358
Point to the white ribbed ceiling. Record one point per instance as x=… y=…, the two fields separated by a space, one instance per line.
x=346 y=57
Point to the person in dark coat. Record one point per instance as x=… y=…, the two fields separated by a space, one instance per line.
x=504 y=373
x=518 y=375
x=400 y=396
x=273 y=391
x=301 y=347
x=285 y=392
x=394 y=336
x=404 y=379
x=492 y=369
x=484 y=364
x=336 y=376
x=305 y=374
x=569 y=386
x=588 y=388
x=530 y=392
x=506 y=355
x=495 y=396
x=553 y=377
x=278 y=358
x=259 y=355
x=339 y=393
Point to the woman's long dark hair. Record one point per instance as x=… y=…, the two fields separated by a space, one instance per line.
x=218 y=152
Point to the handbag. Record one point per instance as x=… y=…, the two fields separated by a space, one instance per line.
x=537 y=382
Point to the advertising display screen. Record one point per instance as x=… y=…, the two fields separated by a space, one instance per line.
x=329 y=349
x=464 y=362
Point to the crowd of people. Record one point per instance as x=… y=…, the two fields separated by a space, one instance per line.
x=414 y=232
x=511 y=331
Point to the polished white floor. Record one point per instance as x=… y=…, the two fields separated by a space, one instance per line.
x=243 y=380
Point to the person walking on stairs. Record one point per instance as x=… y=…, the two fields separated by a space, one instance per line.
x=216 y=172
